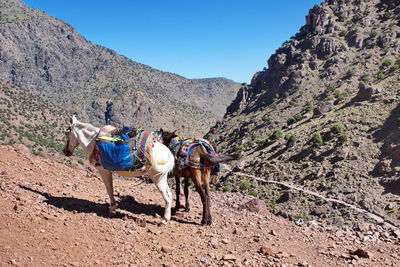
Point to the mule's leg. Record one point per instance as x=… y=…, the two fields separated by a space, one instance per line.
x=186 y=190
x=108 y=182
x=196 y=177
x=177 y=192
x=162 y=185
x=206 y=177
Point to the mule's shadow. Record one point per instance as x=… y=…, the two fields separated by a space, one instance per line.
x=127 y=203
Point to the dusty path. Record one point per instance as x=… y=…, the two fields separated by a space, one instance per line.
x=55 y=215
x=381 y=219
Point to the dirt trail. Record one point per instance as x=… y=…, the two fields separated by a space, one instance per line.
x=56 y=215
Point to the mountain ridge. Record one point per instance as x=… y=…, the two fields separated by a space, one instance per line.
x=313 y=116
x=42 y=53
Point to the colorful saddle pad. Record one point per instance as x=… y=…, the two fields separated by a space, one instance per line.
x=182 y=149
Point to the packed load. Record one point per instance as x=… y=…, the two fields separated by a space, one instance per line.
x=123 y=149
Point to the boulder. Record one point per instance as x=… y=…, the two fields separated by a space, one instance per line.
x=356 y=39
x=255 y=205
x=382 y=168
x=277 y=61
x=366 y=92
x=324 y=108
x=326 y=47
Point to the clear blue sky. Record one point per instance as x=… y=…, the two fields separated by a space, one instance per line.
x=192 y=38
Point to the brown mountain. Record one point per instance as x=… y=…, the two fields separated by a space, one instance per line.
x=324 y=116
x=48 y=56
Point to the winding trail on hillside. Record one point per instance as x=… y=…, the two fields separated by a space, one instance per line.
x=373 y=215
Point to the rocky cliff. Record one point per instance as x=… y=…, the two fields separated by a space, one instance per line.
x=48 y=56
x=324 y=115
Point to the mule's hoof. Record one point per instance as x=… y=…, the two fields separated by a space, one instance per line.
x=187 y=209
x=112 y=213
x=112 y=210
x=163 y=222
x=206 y=222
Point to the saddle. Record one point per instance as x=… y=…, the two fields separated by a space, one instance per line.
x=182 y=149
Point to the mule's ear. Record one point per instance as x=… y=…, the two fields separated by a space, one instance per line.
x=161 y=131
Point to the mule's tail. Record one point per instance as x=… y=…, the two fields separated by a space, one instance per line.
x=161 y=159
x=216 y=159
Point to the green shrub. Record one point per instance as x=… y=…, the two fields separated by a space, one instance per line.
x=294 y=119
x=350 y=73
x=245 y=185
x=336 y=128
x=253 y=193
x=373 y=34
x=261 y=142
x=387 y=15
x=387 y=63
x=343 y=33
x=227 y=188
x=266 y=118
x=317 y=140
x=291 y=140
x=380 y=75
x=340 y=96
x=277 y=134
x=364 y=78
x=308 y=107
x=331 y=88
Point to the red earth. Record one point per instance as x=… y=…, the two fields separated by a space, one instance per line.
x=52 y=214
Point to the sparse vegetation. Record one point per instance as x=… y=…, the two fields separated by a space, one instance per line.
x=317 y=140
x=350 y=73
x=336 y=128
x=386 y=63
x=277 y=134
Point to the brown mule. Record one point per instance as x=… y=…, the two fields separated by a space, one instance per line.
x=199 y=171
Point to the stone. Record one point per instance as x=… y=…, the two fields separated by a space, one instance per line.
x=273 y=232
x=255 y=205
x=382 y=168
x=342 y=154
x=142 y=223
x=362 y=253
x=319 y=211
x=366 y=92
x=324 y=108
x=397 y=233
x=266 y=251
x=214 y=242
x=229 y=257
x=282 y=254
x=166 y=249
x=225 y=241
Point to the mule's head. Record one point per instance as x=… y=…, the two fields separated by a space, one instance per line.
x=167 y=136
x=72 y=138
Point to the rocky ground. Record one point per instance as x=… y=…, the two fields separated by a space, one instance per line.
x=56 y=215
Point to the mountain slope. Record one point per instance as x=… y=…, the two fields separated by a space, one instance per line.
x=27 y=118
x=324 y=115
x=46 y=55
